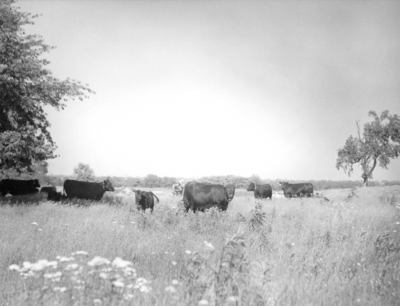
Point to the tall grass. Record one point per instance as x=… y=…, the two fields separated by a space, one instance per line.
x=343 y=250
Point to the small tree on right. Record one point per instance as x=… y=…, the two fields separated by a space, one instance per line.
x=379 y=143
x=83 y=172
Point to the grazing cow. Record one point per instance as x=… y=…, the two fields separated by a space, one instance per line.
x=263 y=191
x=55 y=196
x=145 y=199
x=297 y=190
x=47 y=189
x=86 y=190
x=201 y=196
x=18 y=187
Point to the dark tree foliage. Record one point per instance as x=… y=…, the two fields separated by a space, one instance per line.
x=26 y=86
x=379 y=143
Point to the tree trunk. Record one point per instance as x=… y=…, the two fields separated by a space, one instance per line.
x=365 y=178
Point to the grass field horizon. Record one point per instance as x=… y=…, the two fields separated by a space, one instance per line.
x=303 y=251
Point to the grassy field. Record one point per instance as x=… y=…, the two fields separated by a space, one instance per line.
x=345 y=251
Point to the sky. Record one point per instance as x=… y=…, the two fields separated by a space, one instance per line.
x=201 y=88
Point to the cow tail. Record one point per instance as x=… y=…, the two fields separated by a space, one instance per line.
x=158 y=201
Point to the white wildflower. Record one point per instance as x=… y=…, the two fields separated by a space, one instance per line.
x=40 y=265
x=71 y=267
x=61 y=289
x=120 y=263
x=170 y=289
x=103 y=275
x=175 y=282
x=173 y=263
x=209 y=246
x=81 y=253
x=39 y=229
x=14 y=267
x=63 y=258
x=188 y=252
x=98 y=261
x=97 y=302
x=34 y=223
x=203 y=303
x=118 y=283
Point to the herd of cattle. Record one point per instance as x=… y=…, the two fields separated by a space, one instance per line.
x=195 y=196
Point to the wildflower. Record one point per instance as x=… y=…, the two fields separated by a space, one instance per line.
x=54 y=276
x=175 y=282
x=152 y=253
x=118 y=283
x=40 y=265
x=188 y=252
x=34 y=223
x=203 y=303
x=173 y=263
x=142 y=285
x=14 y=267
x=120 y=263
x=71 y=267
x=209 y=246
x=166 y=253
x=97 y=302
x=103 y=275
x=170 y=289
x=98 y=261
x=81 y=253
x=61 y=289
x=63 y=258
x=114 y=222
x=39 y=230
x=397 y=222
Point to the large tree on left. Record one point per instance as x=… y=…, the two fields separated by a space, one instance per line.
x=26 y=86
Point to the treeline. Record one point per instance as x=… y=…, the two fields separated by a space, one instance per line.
x=154 y=181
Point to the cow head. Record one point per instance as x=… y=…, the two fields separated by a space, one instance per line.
x=108 y=186
x=230 y=190
x=251 y=187
x=138 y=195
x=283 y=184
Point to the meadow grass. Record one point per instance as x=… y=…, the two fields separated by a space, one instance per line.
x=310 y=251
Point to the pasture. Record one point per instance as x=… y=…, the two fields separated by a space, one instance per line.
x=310 y=251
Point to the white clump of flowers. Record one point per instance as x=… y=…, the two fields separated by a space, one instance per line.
x=120 y=263
x=188 y=252
x=34 y=223
x=97 y=302
x=174 y=263
x=14 y=268
x=98 y=261
x=170 y=289
x=118 y=283
x=63 y=258
x=38 y=266
x=73 y=266
x=209 y=246
x=142 y=285
x=175 y=282
x=60 y=289
x=81 y=253
x=203 y=303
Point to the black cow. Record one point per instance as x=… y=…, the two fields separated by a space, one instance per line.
x=18 y=187
x=86 y=190
x=297 y=190
x=263 y=191
x=47 y=189
x=55 y=196
x=145 y=199
x=201 y=196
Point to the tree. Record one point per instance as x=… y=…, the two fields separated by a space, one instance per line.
x=26 y=86
x=379 y=143
x=83 y=172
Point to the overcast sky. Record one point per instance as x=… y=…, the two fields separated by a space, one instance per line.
x=196 y=88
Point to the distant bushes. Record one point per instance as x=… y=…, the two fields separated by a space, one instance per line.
x=154 y=181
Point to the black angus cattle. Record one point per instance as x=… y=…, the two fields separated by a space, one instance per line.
x=55 y=196
x=47 y=189
x=297 y=190
x=86 y=190
x=145 y=199
x=201 y=196
x=18 y=187
x=262 y=191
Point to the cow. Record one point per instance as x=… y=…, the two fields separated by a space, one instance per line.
x=86 y=190
x=263 y=191
x=145 y=199
x=201 y=196
x=18 y=187
x=55 y=196
x=47 y=189
x=297 y=190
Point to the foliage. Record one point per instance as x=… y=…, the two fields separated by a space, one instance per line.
x=26 y=86
x=83 y=172
x=379 y=143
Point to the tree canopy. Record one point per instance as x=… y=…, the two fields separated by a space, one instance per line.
x=379 y=143
x=83 y=172
x=26 y=86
